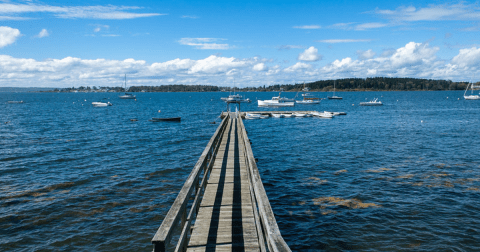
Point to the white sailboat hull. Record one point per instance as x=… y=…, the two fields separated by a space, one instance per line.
x=274 y=103
x=308 y=102
x=471 y=97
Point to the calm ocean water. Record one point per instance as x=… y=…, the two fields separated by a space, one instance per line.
x=404 y=176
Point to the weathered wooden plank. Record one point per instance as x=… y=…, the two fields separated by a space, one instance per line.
x=226 y=219
x=164 y=232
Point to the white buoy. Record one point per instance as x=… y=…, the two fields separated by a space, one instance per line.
x=159 y=111
x=421 y=121
x=353 y=104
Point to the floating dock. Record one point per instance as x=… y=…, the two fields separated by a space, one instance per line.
x=222 y=206
x=269 y=113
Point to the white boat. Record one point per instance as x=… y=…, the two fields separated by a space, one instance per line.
x=14 y=102
x=101 y=104
x=287 y=115
x=127 y=95
x=250 y=116
x=277 y=115
x=322 y=115
x=334 y=97
x=308 y=102
x=236 y=98
x=333 y=113
x=374 y=102
x=299 y=115
x=472 y=96
x=307 y=97
x=277 y=101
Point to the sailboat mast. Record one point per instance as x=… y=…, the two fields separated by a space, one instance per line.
x=334 y=87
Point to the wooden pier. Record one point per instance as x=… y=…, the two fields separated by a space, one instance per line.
x=269 y=113
x=222 y=205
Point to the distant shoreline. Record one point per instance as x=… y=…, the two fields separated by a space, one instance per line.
x=341 y=85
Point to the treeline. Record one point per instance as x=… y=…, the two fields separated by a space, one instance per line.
x=174 y=88
x=349 y=84
x=373 y=84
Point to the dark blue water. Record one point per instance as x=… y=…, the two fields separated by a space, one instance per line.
x=404 y=176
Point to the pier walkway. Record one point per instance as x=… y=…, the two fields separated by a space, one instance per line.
x=222 y=205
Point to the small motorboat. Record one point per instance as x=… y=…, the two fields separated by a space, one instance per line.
x=277 y=115
x=170 y=119
x=374 y=102
x=250 y=116
x=299 y=115
x=287 y=115
x=101 y=104
x=336 y=113
x=322 y=115
x=14 y=102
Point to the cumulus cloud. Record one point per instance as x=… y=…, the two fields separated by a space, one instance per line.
x=310 y=54
x=362 y=55
x=43 y=33
x=90 y=12
x=8 y=35
x=260 y=67
x=307 y=27
x=204 y=43
x=417 y=60
x=467 y=57
x=298 y=66
x=433 y=13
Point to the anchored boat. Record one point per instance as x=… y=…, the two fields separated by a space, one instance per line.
x=471 y=96
x=127 y=95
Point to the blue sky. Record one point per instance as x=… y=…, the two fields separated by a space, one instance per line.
x=74 y=43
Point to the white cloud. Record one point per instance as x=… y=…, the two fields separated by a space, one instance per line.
x=343 y=26
x=90 y=12
x=467 y=57
x=43 y=33
x=260 y=67
x=214 y=64
x=99 y=27
x=433 y=13
x=310 y=54
x=308 y=27
x=8 y=35
x=417 y=60
x=357 y=27
x=362 y=55
x=13 y=18
x=298 y=66
x=204 y=43
x=367 y=26
x=335 y=41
